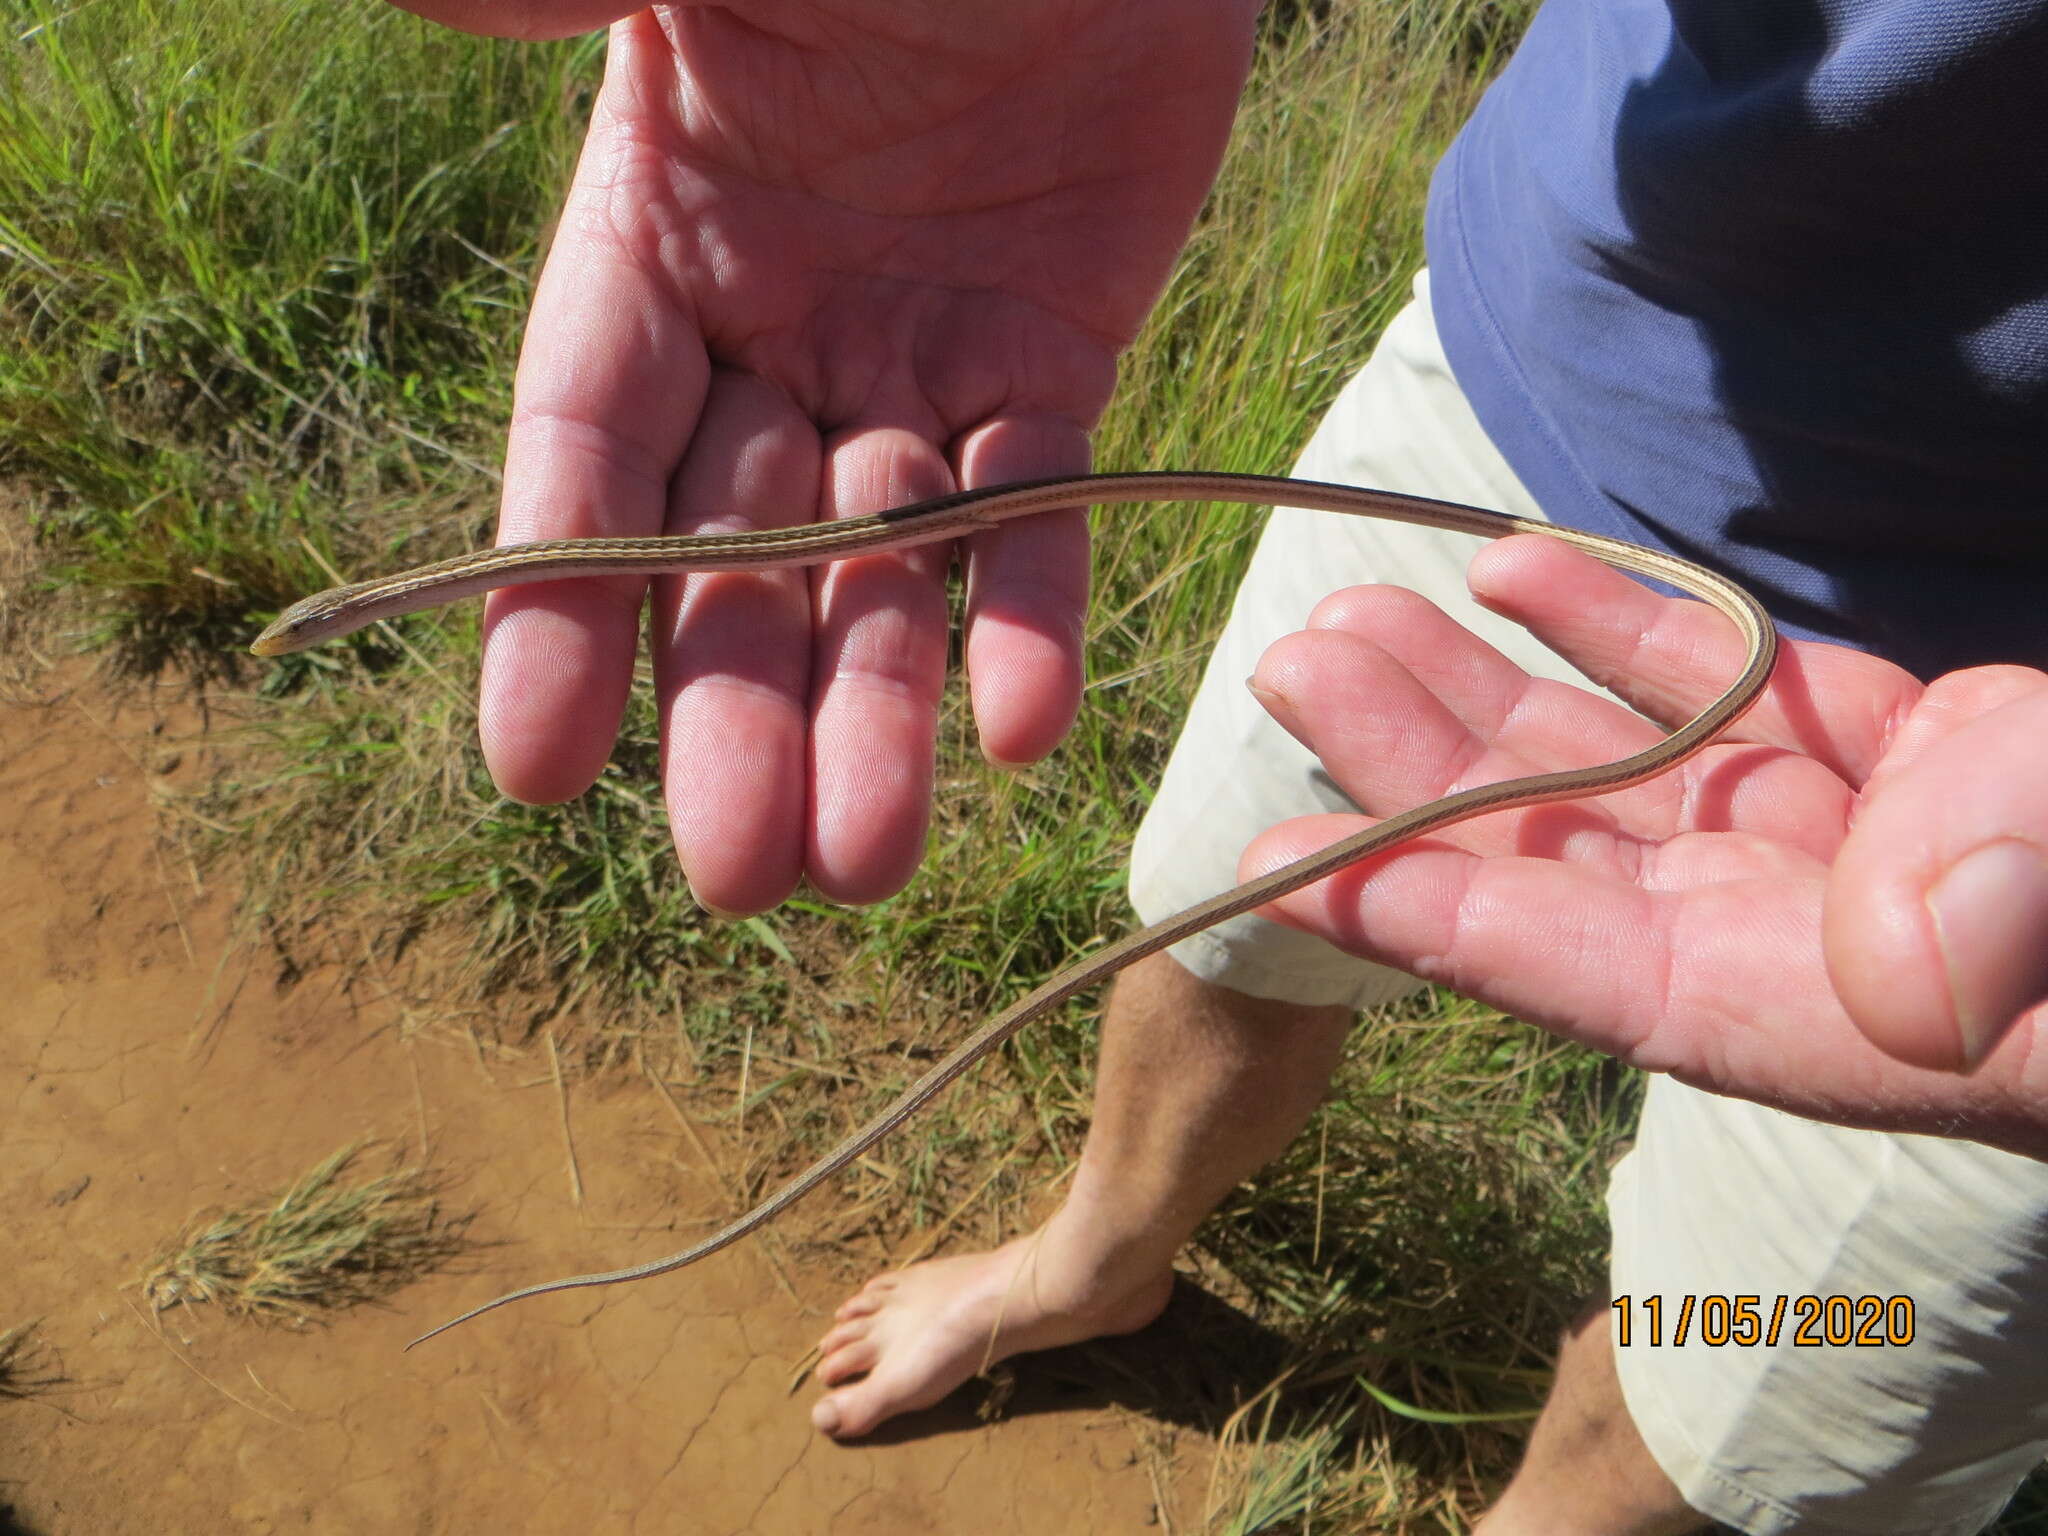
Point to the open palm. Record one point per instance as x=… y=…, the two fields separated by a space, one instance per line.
x=821 y=258
x=1756 y=922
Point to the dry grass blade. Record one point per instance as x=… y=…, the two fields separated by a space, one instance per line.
x=329 y=1241
x=28 y=1365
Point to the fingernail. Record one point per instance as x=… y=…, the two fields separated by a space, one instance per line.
x=1990 y=912
x=825 y=1416
x=1266 y=696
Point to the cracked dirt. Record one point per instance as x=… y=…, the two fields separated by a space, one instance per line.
x=149 y=1068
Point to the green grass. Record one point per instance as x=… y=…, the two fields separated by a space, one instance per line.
x=243 y=295
x=264 y=300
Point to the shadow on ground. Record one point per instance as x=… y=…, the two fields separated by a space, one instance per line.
x=1193 y=1368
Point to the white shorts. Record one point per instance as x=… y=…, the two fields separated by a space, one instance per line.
x=1718 y=1198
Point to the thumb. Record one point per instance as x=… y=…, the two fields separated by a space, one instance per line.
x=1935 y=926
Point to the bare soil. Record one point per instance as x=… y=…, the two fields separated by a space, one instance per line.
x=151 y=1068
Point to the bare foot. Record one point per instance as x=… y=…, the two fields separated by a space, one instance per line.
x=913 y=1335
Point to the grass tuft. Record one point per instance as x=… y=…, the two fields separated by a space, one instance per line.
x=326 y=1243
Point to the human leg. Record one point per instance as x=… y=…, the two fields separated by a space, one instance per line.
x=1164 y=1147
x=1586 y=1467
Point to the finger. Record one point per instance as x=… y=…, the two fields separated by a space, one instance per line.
x=611 y=375
x=732 y=654
x=1534 y=725
x=1544 y=726
x=531 y=20
x=878 y=665
x=1719 y=984
x=1027 y=592
x=1477 y=682
x=1936 y=923
x=1669 y=657
x=1949 y=703
x=1558 y=943
x=1392 y=744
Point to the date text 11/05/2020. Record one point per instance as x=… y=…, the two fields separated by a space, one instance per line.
x=1815 y=1322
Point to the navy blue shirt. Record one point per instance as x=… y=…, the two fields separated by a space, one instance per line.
x=1765 y=283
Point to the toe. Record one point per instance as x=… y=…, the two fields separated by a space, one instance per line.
x=825 y=1416
x=867 y=1298
x=859 y=1408
x=845 y=1334
x=843 y=1364
x=844 y=1415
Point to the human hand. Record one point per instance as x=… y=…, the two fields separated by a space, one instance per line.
x=822 y=257
x=1757 y=922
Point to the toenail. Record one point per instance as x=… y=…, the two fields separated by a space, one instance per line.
x=825 y=1417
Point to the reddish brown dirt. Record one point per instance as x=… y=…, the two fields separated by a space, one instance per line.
x=151 y=1068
